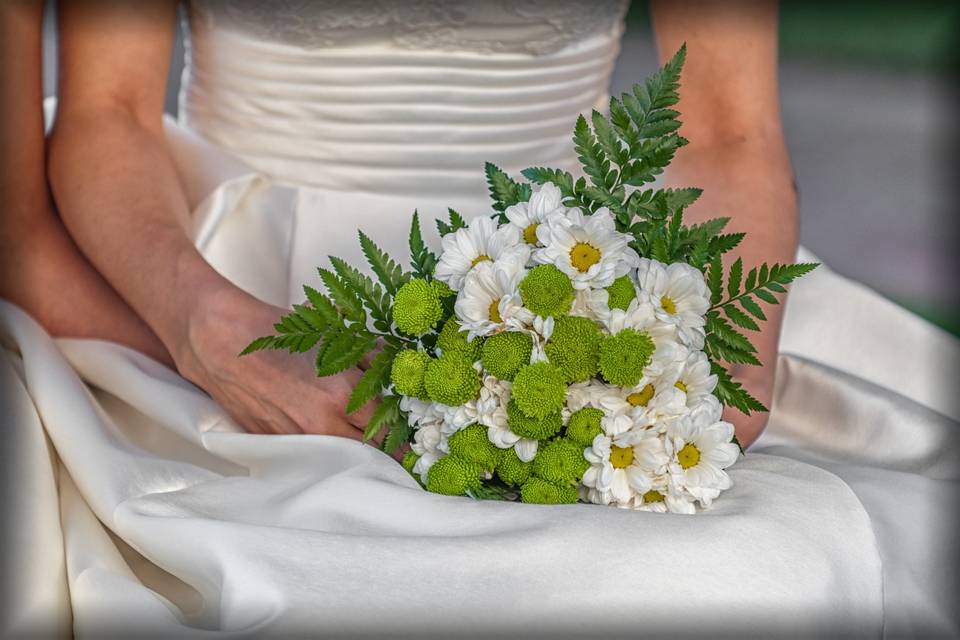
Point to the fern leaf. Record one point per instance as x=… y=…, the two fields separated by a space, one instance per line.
x=348 y=302
x=374 y=380
x=387 y=412
x=389 y=272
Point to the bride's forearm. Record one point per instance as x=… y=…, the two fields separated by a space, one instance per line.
x=41 y=269
x=120 y=197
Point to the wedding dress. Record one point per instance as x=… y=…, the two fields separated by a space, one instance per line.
x=135 y=503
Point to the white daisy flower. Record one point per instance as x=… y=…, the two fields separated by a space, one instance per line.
x=490 y=299
x=589 y=249
x=649 y=403
x=622 y=467
x=700 y=449
x=544 y=203
x=694 y=379
x=482 y=241
x=664 y=497
x=679 y=295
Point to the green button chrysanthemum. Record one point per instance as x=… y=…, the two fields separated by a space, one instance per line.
x=409 y=459
x=512 y=469
x=451 y=380
x=472 y=444
x=560 y=461
x=409 y=367
x=442 y=288
x=584 y=426
x=539 y=491
x=535 y=428
x=539 y=389
x=504 y=353
x=452 y=340
x=624 y=355
x=621 y=293
x=416 y=307
x=574 y=348
x=452 y=476
x=547 y=291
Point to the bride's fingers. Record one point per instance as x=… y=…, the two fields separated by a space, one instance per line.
x=367 y=359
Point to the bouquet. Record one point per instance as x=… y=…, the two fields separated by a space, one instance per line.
x=571 y=346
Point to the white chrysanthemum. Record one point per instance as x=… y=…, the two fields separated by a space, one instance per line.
x=700 y=449
x=669 y=355
x=679 y=295
x=589 y=249
x=694 y=379
x=664 y=496
x=622 y=467
x=649 y=403
x=488 y=409
x=544 y=203
x=589 y=393
x=591 y=303
x=490 y=300
x=430 y=443
x=482 y=241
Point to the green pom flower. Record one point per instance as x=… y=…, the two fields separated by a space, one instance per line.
x=512 y=469
x=584 y=426
x=442 y=289
x=452 y=476
x=539 y=389
x=539 y=491
x=535 y=428
x=574 y=348
x=409 y=460
x=452 y=340
x=407 y=372
x=561 y=462
x=547 y=291
x=623 y=357
x=621 y=293
x=472 y=444
x=416 y=307
x=451 y=380
x=504 y=353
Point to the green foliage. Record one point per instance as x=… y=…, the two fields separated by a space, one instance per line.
x=504 y=191
x=422 y=260
x=456 y=222
x=374 y=380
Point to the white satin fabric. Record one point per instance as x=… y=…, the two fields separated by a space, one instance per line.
x=135 y=503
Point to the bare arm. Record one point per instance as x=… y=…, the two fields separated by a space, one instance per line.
x=120 y=197
x=737 y=152
x=41 y=268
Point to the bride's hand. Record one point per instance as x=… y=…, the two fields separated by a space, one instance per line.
x=266 y=392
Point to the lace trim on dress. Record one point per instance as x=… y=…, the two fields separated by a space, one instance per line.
x=535 y=27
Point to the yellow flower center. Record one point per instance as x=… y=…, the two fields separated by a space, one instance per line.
x=621 y=457
x=530 y=233
x=583 y=256
x=689 y=456
x=494 y=311
x=642 y=397
x=679 y=385
x=668 y=305
x=653 y=496
x=480 y=258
